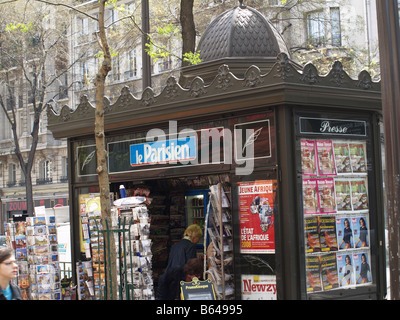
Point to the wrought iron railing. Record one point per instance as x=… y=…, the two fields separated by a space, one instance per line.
x=119 y=236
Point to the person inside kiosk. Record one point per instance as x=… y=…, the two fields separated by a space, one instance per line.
x=180 y=254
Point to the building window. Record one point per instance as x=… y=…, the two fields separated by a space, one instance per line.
x=10 y=101
x=131 y=7
x=316 y=28
x=111 y=18
x=12 y=175
x=336 y=33
x=83 y=26
x=64 y=169
x=45 y=172
x=131 y=61
x=164 y=64
x=96 y=23
x=114 y=74
x=40 y=124
x=115 y=67
x=63 y=87
x=84 y=73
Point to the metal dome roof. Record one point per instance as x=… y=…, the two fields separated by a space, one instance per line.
x=241 y=32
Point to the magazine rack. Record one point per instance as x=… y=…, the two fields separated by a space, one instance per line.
x=219 y=251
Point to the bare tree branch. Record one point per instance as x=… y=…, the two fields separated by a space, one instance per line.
x=69 y=7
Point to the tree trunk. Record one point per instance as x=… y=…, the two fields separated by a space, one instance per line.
x=146 y=61
x=188 y=32
x=26 y=167
x=102 y=170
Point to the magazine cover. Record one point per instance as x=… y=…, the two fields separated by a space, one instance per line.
x=44 y=281
x=326 y=161
x=39 y=221
x=256 y=213
x=329 y=272
x=344 y=233
x=312 y=235
x=41 y=240
x=326 y=193
x=327 y=233
x=39 y=230
x=342 y=157
x=362 y=267
x=20 y=254
x=258 y=287
x=359 y=194
x=20 y=241
x=345 y=269
x=343 y=195
x=23 y=281
x=3 y=241
x=20 y=228
x=358 y=157
x=313 y=274
x=308 y=159
x=360 y=231
x=310 y=196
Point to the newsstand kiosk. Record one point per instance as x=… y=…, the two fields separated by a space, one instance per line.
x=340 y=204
x=304 y=211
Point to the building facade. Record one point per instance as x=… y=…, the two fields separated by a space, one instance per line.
x=31 y=79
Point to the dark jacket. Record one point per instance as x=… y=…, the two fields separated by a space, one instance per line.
x=168 y=284
x=16 y=293
x=181 y=253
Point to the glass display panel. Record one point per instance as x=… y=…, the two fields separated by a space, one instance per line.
x=336 y=213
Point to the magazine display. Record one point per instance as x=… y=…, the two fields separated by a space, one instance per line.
x=308 y=159
x=131 y=213
x=221 y=275
x=84 y=272
x=336 y=214
x=137 y=249
x=94 y=277
x=36 y=252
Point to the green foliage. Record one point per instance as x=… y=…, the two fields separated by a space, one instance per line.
x=100 y=53
x=285 y=1
x=113 y=3
x=110 y=2
x=157 y=52
x=168 y=30
x=19 y=27
x=192 y=58
x=160 y=51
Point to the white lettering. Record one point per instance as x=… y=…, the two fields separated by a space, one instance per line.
x=173 y=310
x=326 y=127
x=163 y=154
x=247 y=231
x=147 y=153
x=252 y=237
